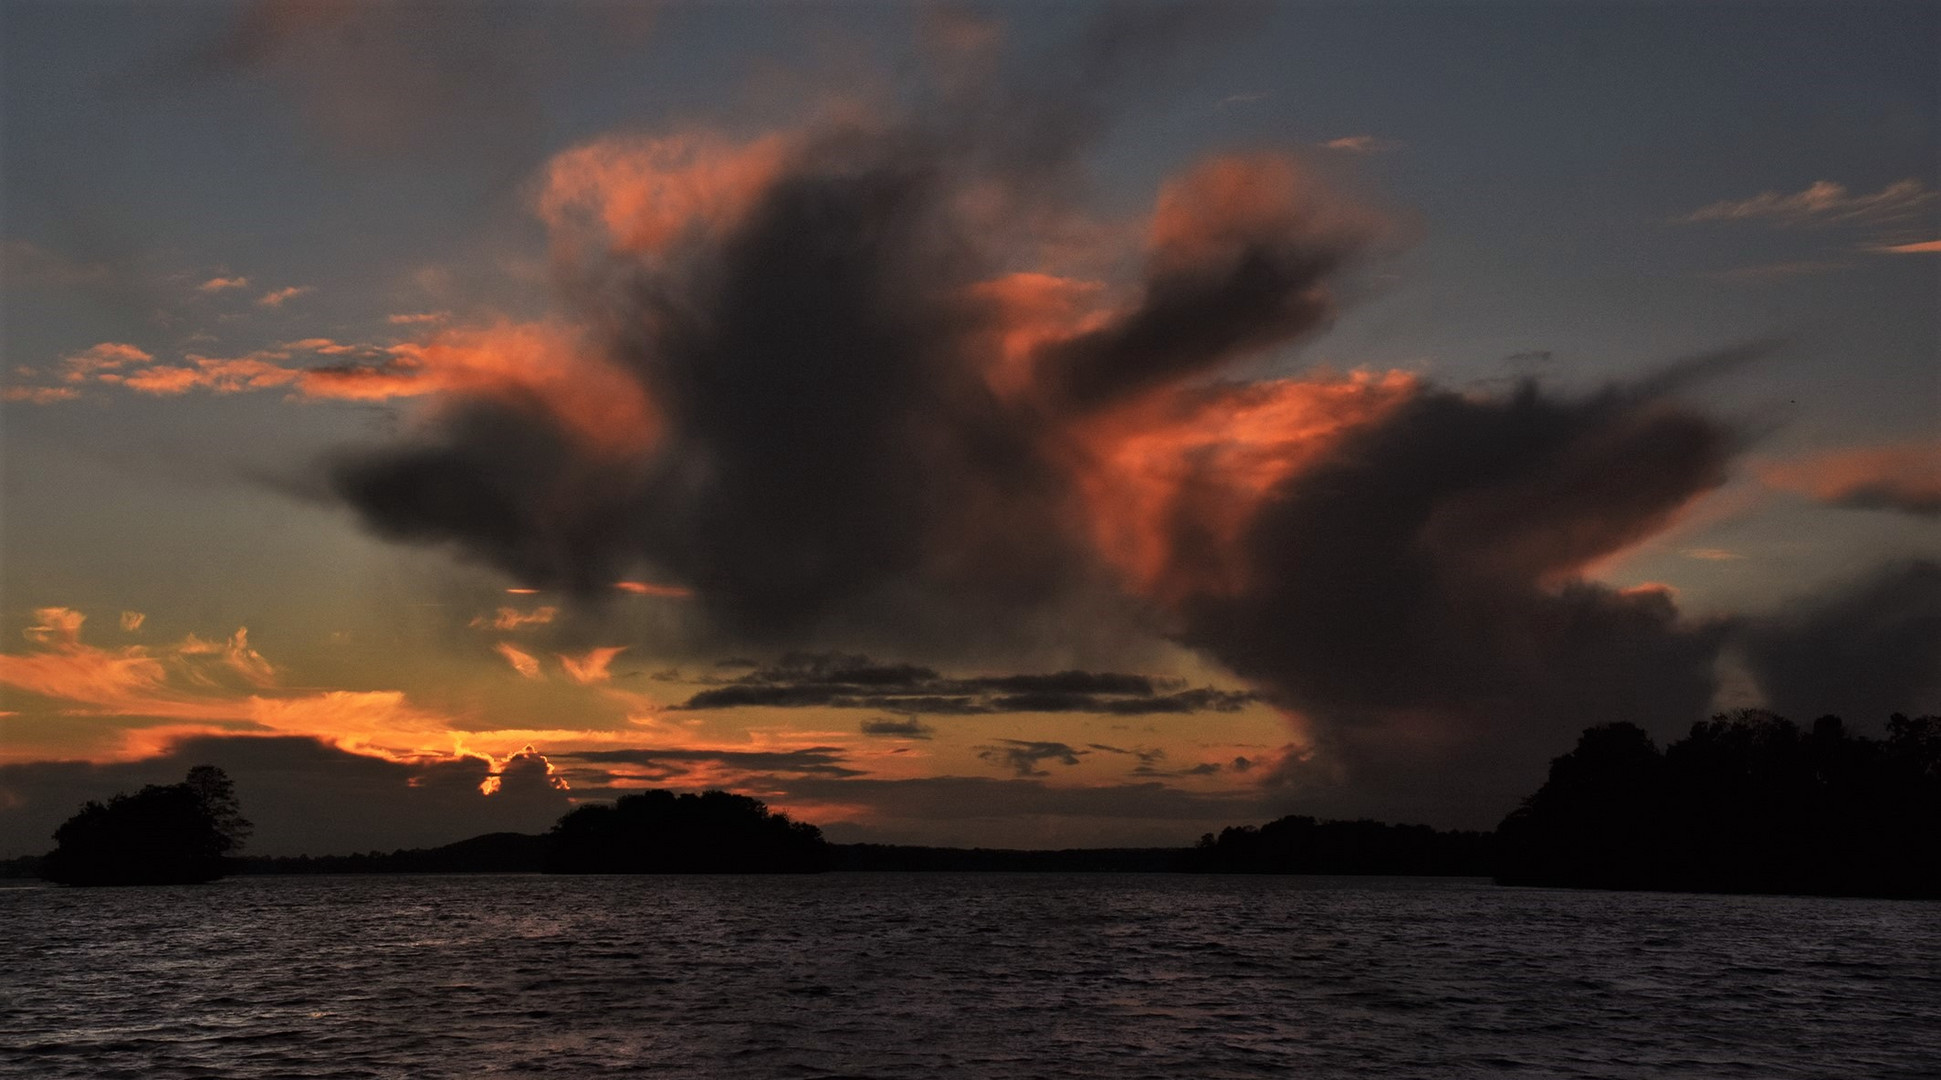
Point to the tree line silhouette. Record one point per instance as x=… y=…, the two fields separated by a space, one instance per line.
x=1746 y=803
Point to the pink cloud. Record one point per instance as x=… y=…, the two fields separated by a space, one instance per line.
x=277 y=297
x=218 y=284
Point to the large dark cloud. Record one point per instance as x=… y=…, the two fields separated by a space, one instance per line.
x=1863 y=652
x=839 y=467
x=304 y=796
x=1419 y=595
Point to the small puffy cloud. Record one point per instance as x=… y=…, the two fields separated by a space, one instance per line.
x=1362 y=144
x=221 y=375
x=131 y=621
x=1822 y=202
x=593 y=666
x=522 y=662
x=277 y=297
x=108 y=355
x=511 y=618
x=219 y=284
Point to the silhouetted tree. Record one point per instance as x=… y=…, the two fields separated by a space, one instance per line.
x=659 y=832
x=1746 y=803
x=1302 y=845
x=161 y=835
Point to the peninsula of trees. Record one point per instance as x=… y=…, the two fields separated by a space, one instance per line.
x=1749 y=803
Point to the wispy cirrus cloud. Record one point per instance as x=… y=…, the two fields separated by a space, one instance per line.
x=1822 y=202
x=593 y=665
x=1362 y=144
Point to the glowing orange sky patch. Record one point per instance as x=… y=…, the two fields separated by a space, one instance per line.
x=1031 y=309
x=1207 y=462
x=1907 y=475
x=545 y=363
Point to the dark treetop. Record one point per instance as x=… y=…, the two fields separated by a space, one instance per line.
x=161 y=835
x=661 y=832
x=1749 y=803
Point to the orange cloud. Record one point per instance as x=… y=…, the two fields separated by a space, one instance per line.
x=1901 y=476
x=418 y=318
x=131 y=621
x=39 y=395
x=257 y=371
x=218 y=284
x=1923 y=247
x=536 y=363
x=592 y=667
x=641 y=195
x=649 y=588
x=277 y=297
x=78 y=367
x=508 y=618
x=324 y=346
x=521 y=661
x=57 y=626
x=1194 y=469
x=1030 y=310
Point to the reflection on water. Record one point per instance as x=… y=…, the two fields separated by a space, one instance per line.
x=992 y=975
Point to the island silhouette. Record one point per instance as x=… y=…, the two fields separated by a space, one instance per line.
x=171 y=834
x=1748 y=802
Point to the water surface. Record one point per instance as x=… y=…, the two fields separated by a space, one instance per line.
x=949 y=975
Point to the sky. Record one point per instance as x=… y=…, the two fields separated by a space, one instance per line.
x=1009 y=425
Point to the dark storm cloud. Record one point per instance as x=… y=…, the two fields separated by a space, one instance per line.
x=1866 y=651
x=305 y=797
x=1417 y=596
x=846 y=681
x=838 y=465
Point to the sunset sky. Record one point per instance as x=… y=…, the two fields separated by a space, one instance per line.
x=1038 y=425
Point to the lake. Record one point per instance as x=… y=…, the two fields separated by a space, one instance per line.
x=958 y=975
